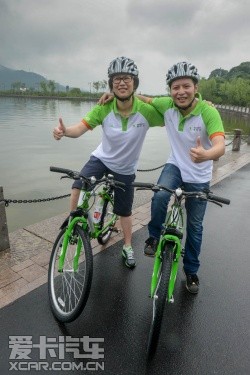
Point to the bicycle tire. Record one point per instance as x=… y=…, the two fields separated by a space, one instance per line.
x=69 y=290
x=107 y=213
x=159 y=300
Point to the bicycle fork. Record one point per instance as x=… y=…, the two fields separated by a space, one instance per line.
x=176 y=250
x=67 y=239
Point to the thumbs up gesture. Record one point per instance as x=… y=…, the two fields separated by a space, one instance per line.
x=198 y=153
x=60 y=130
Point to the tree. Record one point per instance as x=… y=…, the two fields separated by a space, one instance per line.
x=16 y=85
x=240 y=71
x=104 y=84
x=75 y=92
x=96 y=85
x=218 y=73
x=44 y=88
x=208 y=89
x=51 y=86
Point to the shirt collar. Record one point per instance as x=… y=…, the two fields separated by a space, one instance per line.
x=134 y=108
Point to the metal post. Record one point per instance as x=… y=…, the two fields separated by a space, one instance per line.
x=4 y=236
x=236 y=140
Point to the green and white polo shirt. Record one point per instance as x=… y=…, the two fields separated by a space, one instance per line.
x=203 y=121
x=122 y=138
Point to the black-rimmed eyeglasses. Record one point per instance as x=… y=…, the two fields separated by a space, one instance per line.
x=126 y=79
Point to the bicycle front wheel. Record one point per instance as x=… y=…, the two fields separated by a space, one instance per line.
x=159 y=300
x=69 y=289
x=107 y=213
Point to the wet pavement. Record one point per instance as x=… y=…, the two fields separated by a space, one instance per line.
x=204 y=334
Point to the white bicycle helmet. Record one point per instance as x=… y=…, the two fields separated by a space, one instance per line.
x=123 y=65
x=182 y=69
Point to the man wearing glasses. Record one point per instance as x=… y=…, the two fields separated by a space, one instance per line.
x=125 y=122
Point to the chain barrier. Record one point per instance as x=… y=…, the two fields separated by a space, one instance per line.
x=150 y=170
x=243 y=139
x=8 y=201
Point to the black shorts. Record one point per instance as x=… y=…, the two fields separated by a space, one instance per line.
x=123 y=198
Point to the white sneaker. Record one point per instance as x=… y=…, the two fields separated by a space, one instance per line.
x=128 y=255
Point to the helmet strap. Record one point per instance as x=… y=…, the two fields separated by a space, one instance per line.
x=188 y=106
x=123 y=99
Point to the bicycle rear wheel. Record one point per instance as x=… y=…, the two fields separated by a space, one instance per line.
x=159 y=300
x=69 y=289
x=107 y=213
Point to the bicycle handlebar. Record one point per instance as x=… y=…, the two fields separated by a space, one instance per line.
x=218 y=199
x=69 y=172
x=91 y=180
x=206 y=195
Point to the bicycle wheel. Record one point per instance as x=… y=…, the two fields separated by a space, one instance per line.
x=159 y=299
x=107 y=213
x=69 y=289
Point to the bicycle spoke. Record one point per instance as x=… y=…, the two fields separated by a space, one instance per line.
x=69 y=289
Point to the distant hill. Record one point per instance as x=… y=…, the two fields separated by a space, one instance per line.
x=30 y=80
x=240 y=71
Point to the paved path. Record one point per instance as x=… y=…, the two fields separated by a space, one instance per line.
x=205 y=334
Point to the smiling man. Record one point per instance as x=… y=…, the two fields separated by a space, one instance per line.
x=125 y=122
x=196 y=136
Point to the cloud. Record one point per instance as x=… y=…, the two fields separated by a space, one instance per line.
x=73 y=41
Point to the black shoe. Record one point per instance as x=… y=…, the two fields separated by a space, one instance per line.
x=192 y=283
x=151 y=246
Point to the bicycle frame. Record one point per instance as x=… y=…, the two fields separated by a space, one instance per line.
x=168 y=253
x=85 y=220
x=172 y=234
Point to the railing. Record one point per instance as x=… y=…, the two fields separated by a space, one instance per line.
x=233 y=108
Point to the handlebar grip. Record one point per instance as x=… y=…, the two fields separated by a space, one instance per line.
x=143 y=185
x=219 y=199
x=119 y=183
x=60 y=170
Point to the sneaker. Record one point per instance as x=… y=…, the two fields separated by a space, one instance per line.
x=151 y=246
x=128 y=255
x=192 y=283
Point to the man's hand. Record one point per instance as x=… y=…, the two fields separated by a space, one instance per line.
x=105 y=98
x=209 y=103
x=60 y=131
x=198 y=154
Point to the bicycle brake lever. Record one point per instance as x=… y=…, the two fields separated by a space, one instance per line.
x=64 y=177
x=119 y=187
x=218 y=204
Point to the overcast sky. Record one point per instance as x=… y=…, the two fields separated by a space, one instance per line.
x=73 y=41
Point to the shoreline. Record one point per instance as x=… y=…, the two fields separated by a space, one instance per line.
x=51 y=97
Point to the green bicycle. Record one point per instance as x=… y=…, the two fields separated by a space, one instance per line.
x=168 y=254
x=71 y=262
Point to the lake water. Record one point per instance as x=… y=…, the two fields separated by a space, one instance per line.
x=28 y=149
